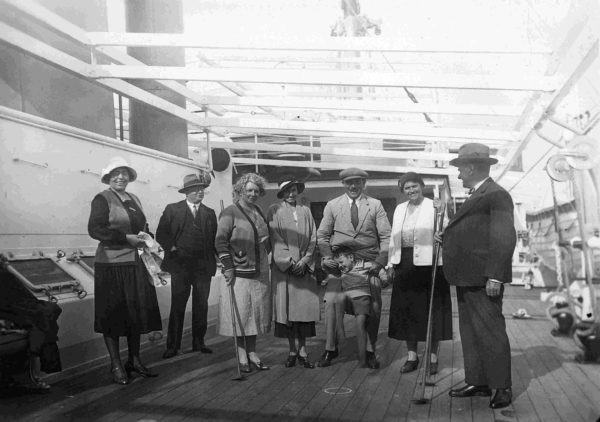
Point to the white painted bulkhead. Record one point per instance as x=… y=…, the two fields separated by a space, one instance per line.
x=57 y=169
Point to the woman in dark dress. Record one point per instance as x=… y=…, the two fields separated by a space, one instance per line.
x=410 y=266
x=125 y=300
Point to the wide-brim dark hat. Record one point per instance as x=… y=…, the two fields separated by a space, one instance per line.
x=194 y=180
x=286 y=183
x=473 y=153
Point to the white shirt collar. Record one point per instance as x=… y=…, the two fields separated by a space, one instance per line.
x=478 y=185
x=357 y=199
x=191 y=206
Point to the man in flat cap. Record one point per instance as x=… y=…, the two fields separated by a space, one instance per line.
x=359 y=222
x=478 y=246
x=186 y=231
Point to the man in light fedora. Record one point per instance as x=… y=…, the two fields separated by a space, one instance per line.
x=478 y=246
x=359 y=222
x=187 y=231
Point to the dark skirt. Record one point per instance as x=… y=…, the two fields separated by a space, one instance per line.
x=124 y=300
x=296 y=329
x=409 y=306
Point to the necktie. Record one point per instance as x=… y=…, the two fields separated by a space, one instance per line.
x=195 y=210
x=354 y=214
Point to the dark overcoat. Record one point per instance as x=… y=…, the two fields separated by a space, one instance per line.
x=480 y=239
x=478 y=245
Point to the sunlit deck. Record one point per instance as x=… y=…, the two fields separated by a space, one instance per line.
x=547 y=384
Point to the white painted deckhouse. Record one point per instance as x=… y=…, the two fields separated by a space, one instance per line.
x=307 y=87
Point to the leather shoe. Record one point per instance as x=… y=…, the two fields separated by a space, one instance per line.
x=327 y=357
x=471 y=390
x=303 y=361
x=502 y=398
x=433 y=368
x=36 y=386
x=291 y=361
x=140 y=369
x=244 y=367
x=202 y=349
x=372 y=361
x=410 y=366
x=169 y=353
x=259 y=366
x=119 y=376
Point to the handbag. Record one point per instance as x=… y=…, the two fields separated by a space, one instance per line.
x=152 y=261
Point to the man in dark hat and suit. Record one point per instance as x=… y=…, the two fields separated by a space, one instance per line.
x=478 y=246
x=359 y=222
x=186 y=232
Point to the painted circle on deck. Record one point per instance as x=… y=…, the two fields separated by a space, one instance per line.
x=338 y=390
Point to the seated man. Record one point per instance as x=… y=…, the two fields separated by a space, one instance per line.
x=357 y=288
x=357 y=221
x=39 y=317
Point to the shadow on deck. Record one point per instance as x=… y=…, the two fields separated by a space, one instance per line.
x=547 y=384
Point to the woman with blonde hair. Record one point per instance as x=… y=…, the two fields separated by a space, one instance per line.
x=242 y=243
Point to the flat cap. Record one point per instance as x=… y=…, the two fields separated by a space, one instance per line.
x=353 y=173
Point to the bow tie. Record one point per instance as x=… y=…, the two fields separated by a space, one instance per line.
x=471 y=191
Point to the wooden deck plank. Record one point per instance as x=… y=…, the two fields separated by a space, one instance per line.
x=339 y=402
x=403 y=391
x=226 y=402
x=389 y=377
x=460 y=409
x=529 y=402
x=548 y=385
x=274 y=409
x=573 y=384
x=440 y=400
x=320 y=399
x=173 y=386
x=523 y=341
x=544 y=373
x=255 y=403
x=566 y=386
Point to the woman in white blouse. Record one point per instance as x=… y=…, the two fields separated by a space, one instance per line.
x=410 y=267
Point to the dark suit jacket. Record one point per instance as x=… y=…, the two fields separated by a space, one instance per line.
x=480 y=239
x=170 y=228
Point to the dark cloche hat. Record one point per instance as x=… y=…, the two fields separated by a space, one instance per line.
x=353 y=173
x=288 y=181
x=192 y=180
x=473 y=153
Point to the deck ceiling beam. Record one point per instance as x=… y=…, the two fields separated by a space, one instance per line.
x=62 y=26
x=358 y=105
x=329 y=77
x=342 y=165
x=379 y=129
x=330 y=150
x=575 y=74
x=62 y=60
x=377 y=44
x=369 y=59
x=232 y=132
